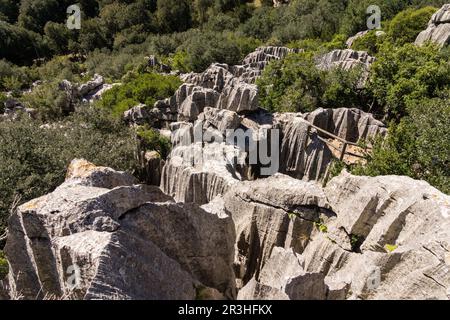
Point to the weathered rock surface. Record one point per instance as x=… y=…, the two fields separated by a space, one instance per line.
x=98 y=236
x=346 y=59
x=303 y=155
x=352 y=125
x=198 y=174
x=272 y=212
x=438 y=30
x=382 y=238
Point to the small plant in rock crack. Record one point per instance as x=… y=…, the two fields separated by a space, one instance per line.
x=3 y=266
x=292 y=215
x=321 y=226
x=390 y=247
x=356 y=242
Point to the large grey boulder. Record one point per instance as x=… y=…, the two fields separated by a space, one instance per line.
x=196 y=102
x=197 y=174
x=438 y=30
x=220 y=120
x=275 y=212
x=353 y=124
x=303 y=155
x=90 y=87
x=283 y=278
x=346 y=59
x=100 y=236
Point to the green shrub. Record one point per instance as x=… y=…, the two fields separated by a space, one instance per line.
x=34 y=158
x=407 y=73
x=406 y=26
x=152 y=140
x=50 y=102
x=417 y=146
x=370 y=42
x=144 y=88
x=13 y=77
x=294 y=84
x=208 y=47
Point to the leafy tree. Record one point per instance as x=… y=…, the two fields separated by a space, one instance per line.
x=407 y=73
x=296 y=85
x=417 y=146
x=34 y=14
x=58 y=37
x=19 y=45
x=9 y=9
x=34 y=162
x=406 y=26
x=173 y=15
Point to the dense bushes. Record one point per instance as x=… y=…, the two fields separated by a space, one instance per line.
x=296 y=85
x=207 y=47
x=34 y=158
x=144 y=88
x=406 y=26
x=407 y=73
x=418 y=146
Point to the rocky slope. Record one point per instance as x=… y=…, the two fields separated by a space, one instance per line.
x=99 y=235
x=225 y=223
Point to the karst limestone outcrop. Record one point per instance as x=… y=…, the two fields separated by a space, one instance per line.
x=127 y=241
x=86 y=92
x=345 y=59
x=220 y=86
x=438 y=30
x=102 y=236
x=383 y=238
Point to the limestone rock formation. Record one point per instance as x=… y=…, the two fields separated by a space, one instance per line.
x=275 y=212
x=198 y=174
x=352 y=125
x=350 y=41
x=346 y=59
x=303 y=155
x=87 y=92
x=220 y=86
x=99 y=236
x=283 y=278
x=438 y=30
x=373 y=238
x=91 y=86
